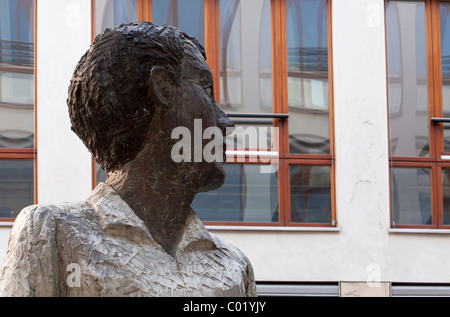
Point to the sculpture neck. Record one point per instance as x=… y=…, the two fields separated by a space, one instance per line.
x=163 y=205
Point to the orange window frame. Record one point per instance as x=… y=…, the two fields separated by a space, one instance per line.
x=27 y=154
x=436 y=131
x=280 y=103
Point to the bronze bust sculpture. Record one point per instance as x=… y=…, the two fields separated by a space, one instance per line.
x=136 y=235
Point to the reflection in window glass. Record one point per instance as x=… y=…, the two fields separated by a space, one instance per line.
x=110 y=13
x=307 y=49
x=265 y=59
x=189 y=16
x=16 y=74
x=246 y=78
x=252 y=134
x=248 y=195
x=407 y=78
x=410 y=196
x=446 y=195
x=100 y=174
x=394 y=62
x=445 y=52
x=16 y=186
x=310 y=193
x=230 y=53
x=17 y=88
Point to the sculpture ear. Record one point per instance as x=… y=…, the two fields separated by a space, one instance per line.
x=160 y=85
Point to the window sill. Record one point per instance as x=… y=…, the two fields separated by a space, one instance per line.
x=6 y=224
x=268 y=228
x=422 y=231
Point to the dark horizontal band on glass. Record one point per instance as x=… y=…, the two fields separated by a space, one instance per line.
x=258 y=115
x=437 y=120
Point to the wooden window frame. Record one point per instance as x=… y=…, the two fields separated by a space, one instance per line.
x=280 y=70
x=280 y=104
x=435 y=109
x=26 y=154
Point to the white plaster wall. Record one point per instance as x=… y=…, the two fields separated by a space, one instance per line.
x=64 y=164
x=361 y=129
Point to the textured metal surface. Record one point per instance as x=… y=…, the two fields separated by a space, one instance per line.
x=137 y=234
x=116 y=255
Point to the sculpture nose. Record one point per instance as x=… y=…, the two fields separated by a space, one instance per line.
x=223 y=122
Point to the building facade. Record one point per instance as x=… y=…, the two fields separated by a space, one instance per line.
x=345 y=192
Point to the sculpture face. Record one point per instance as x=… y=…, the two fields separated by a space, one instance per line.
x=184 y=102
x=198 y=101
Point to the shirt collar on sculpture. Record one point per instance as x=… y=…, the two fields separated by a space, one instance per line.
x=117 y=218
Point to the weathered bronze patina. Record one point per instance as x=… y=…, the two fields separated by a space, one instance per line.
x=136 y=235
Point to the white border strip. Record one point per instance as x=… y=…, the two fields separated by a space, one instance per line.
x=263 y=228
x=252 y=153
x=433 y=231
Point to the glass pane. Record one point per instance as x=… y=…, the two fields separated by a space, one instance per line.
x=248 y=194
x=445 y=52
x=446 y=195
x=16 y=186
x=245 y=78
x=110 y=13
x=100 y=174
x=407 y=78
x=251 y=135
x=310 y=193
x=410 y=196
x=307 y=49
x=17 y=74
x=189 y=16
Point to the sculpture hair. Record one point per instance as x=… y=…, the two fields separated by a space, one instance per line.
x=109 y=102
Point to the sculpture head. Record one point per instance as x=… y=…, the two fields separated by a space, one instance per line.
x=135 y=84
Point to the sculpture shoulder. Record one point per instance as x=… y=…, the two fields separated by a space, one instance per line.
x=38 y=218
x=230 y=248
x=244 y=262
x=30 y=266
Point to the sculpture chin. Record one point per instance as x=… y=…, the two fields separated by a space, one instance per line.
x=212 y=178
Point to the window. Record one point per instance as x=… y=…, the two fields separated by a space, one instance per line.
x=280 y=93
x=309 y=142
x=17 y=146
x=186 y=15
x=308 y=92
x=109 y=13
x=418 y=56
